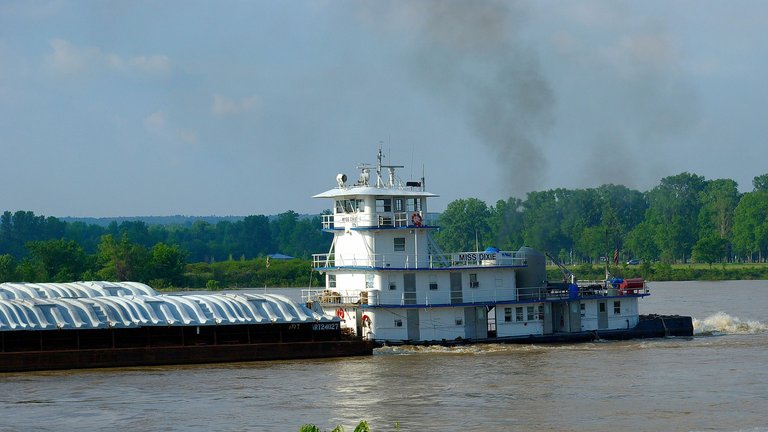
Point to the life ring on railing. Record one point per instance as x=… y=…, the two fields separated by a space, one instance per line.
x=366 y=321
x=340 y=313
x=416 y=219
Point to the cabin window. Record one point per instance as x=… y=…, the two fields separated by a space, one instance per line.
x=383 y=205
x=602 y=307
x=617 y=308
x=392 y=286
x=519 y=314
x=459 y=321
x=508 y=314
x=332 y=281
x=399 y=244
x=369 y=280
x=531 y=317
x=541 y=312
x=398 y=204
x=473 y=283
x=583 y=310
x=398 y=323
x=433 y=286
x=349 y=206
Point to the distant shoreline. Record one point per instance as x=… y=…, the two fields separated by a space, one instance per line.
x=661 y=272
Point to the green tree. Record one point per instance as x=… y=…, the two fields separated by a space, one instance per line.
x=506 y=224
x=166 y=265
x=673 y=212
x=464 y=226
x=709 y=249
x=750 y=225
x=641 y=242
x=122 y=260
x=760 y=183
x=7 y=268
x=543 y=221
x=718 y=204
x=60 y=260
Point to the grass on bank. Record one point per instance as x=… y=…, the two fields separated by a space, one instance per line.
x=668 y=272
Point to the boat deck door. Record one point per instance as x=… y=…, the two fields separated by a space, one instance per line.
x=602 y=315
x=475 y=322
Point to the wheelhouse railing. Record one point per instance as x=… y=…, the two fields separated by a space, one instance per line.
x=412 y=261
x=374 y=220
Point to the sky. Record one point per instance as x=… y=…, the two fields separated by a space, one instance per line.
x=155 y=108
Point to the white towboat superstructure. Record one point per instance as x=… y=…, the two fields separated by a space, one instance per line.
x=389 y=282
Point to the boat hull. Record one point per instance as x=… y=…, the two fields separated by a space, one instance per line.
x=650 y=326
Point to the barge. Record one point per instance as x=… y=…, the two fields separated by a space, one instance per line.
x=115 y=324
x=390 y=283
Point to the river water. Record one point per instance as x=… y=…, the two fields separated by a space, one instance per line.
x=717 y=380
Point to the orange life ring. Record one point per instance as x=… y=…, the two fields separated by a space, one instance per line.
x=366 y=321
x=340 y=313
x=416 y=219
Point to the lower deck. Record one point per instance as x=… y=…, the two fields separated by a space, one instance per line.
x=488 y=320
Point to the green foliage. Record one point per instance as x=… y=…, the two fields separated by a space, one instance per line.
x=56 y=260
x=463 y=225
x=760 y=183
x=709 y=249
x=361 y=427
x=7 y=268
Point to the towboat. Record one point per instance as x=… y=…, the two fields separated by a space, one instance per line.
x=390 y=283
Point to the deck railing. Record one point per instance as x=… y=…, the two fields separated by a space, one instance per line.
x=333 y=297
x=413 y=261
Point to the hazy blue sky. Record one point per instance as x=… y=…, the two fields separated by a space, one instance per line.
x=127 y=108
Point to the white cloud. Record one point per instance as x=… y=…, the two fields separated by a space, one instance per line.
x=152 y=64
x=70 y=59
x=155 y=122
x=187 y=136
x=225 y=106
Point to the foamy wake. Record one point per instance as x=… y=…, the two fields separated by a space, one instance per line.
x=722 y=323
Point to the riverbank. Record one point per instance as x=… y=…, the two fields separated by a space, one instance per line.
x=670 y=272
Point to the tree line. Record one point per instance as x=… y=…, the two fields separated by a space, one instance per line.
x=45 y=249
x=684 y=218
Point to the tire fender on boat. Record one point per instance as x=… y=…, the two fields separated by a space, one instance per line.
x=366 y=321
x=416 y=219
x=340 y=313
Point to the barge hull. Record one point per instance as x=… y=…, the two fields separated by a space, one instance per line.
x=154 y=356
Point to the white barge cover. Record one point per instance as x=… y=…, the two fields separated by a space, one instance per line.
x=94 y=305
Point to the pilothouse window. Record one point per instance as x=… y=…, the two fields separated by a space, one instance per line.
x=383 y=205
x=349 y=206
x=398 y=204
